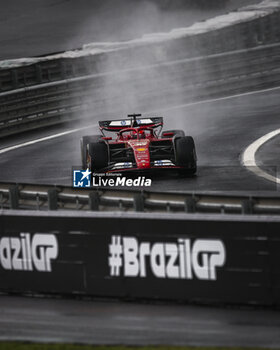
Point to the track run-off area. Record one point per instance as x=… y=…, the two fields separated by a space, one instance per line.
x=100 y=322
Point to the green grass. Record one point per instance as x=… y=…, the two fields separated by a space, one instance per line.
x=33 y=346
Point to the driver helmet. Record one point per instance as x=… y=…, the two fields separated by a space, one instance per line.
x=142 y=134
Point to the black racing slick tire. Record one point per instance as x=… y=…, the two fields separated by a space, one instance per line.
x=185 y=155
x=179 y=133
x=84 y=141
x=98 y=152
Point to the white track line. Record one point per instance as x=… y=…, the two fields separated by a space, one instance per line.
x=249 y=160
x=28 y=143
x=46 y=138
x=216 y=99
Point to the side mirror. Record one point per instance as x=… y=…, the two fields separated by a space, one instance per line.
x=107 y=138
x=168 y=134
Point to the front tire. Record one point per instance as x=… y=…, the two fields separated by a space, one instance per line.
x=185 y=155
x=84 y=141
x=98 y=152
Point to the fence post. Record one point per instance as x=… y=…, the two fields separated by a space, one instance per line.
x=39 y=76
x=14 y=74
x=139 y=202
x=52 y=199
x=93 y=201
x=13 y=197
x=248 y=206
x=190 y=205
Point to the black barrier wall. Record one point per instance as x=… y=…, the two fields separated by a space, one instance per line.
x=222 y=259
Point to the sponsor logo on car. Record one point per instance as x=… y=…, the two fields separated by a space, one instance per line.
x=139 y=143
x=182 y=259
x=28 y=253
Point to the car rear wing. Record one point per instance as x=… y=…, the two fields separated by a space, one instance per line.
x=120 y=124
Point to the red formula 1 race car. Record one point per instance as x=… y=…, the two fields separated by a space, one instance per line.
x=138 y=145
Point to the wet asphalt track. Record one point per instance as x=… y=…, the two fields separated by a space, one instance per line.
x=221 y=129
x=75 y=321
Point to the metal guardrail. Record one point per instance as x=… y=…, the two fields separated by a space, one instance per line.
x=260 y=31
x=211 y=64
x=44 y=197
x=199 y=78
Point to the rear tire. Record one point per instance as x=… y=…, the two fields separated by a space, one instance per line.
x=185 y=155
x=84 y=141
x=98 y=152
x=179 y=133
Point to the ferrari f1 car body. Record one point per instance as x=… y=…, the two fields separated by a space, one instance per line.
x=138 y=145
